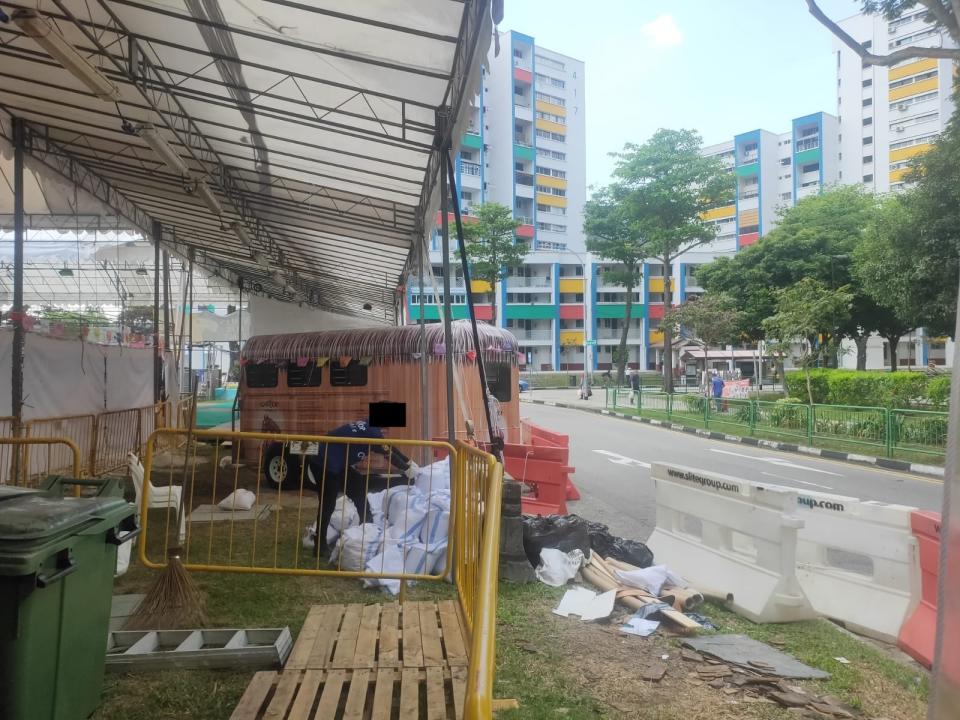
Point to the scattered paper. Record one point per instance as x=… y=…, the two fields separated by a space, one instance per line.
x=640 y=626
x=664 y=657
x=842 y=660
x=557 y=567
x=651 y=579
x=586 y=604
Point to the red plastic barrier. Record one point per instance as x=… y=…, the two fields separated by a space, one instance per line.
x=542 y=437
x=918 y=633
x=545 y=471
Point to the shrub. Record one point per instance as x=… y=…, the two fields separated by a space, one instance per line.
x=796 y=383
x=862 y=388
x=938 y=392
x=790 y=413
x=930 y=431
x=694 y=403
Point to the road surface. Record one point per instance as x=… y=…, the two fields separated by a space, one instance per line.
x=613 y=456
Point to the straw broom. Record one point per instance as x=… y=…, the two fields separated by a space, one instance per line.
x=174 y=600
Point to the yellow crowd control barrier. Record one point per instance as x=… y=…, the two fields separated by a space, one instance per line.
x=17 y=467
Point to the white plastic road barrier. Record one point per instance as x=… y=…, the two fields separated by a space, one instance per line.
x=725 y=534
x=858 y=562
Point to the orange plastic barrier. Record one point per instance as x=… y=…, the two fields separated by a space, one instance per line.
x=542 y=437
x=918 y=634
x=544 y=469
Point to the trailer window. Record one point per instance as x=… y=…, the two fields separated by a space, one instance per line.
x=353 y=374
x=307 y=376
x=499 y=380
x=261 y=375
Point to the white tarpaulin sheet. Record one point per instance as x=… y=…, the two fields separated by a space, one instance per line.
x=70 y=377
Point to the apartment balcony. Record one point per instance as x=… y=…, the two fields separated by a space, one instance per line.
x=522 y=219
x=749 y=200
x=469 y=168
x=523 y=191
x=749 y=158
x=522 y=112
x=534 y=283
x=810 y=143
x=538 y=335
x=604 y=285
x=523 y=178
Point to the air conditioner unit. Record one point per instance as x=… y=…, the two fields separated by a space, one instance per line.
x=902 y=107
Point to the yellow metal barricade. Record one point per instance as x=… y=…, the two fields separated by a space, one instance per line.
x=81 y=429
x=14 y=473
x=479 y=487
x=118 y=432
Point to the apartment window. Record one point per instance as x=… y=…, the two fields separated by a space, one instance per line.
x=899 y=125
x=655 y=270
x=549 y=62
x=867 y=102
x=551 y=172
x=869 y=140
x=786 y=196
x=907 y=102
x=551 y=227
x=904 y=20
x=517 y=53
x=867 y=121
x=519 y=166
x=868 y=178
x=920 y=140
x=748 y=229
x=547 y=135
x=867 y=82
x=785 y=161
x=913 y=79
x=518 y=90
x=551 y=209
x=867 y=159
x=553 y=154
x=466 y=196
x=914 y=37
x=552 y=99
x=551 y=117
x=560 y=192
x=552 y=81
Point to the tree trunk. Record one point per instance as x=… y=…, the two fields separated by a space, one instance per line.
x=894 y=343
x=861 y=341
x=622 y=347
x=667 y=327
x=806 y=371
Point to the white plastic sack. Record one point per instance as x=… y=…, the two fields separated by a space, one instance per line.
x=406 y=508
x=357 y=545
x=239 y=499
x=123 y=558
x=431 y=478
x=344 y=516
x=651 y=579
x=436 y=524
x=389 y=560
x=557 y=567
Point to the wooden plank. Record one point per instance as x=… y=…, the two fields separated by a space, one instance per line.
x=326 y=636
x=286 y=688
x=436 y=699
x=430 y=635
x=383 y=694
x=458 y=679
x=330 y=699
x=249 y=706
x=347 y=638
x=303 y=703
x=357 y=697
x=452 y=633
x=389 y=654
x=412 y=647
x=308 y=635
x=365 y=654
x=409 y=691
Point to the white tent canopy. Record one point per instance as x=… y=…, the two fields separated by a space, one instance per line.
x=305 y=135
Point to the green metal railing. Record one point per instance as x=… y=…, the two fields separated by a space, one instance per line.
x=920 y=434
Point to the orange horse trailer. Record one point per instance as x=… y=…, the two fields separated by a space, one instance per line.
x=313 y=382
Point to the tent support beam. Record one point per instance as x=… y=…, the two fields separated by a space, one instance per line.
x=157 y=237
x=447 y=307
x=19 y=334
x=424 y=392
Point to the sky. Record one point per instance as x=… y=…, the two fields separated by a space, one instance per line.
x=720 y=67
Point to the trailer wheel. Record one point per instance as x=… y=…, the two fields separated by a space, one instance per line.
x=277 y=467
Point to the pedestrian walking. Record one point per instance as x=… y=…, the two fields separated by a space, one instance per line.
x=716 y=387
x=635 y=384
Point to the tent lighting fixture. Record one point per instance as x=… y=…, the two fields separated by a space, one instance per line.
x=241 y=232
x=36 y=26
x=164 y=150
x=209 y=199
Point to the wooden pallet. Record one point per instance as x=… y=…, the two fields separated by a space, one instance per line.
x=367 y=662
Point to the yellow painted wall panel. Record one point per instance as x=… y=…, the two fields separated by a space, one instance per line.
x=551 y=126
x=553 y=200
x=571 y=337
x=656 y=337
x=898 y=175
x=655 y=285
x=551 y=108
x=571 y=285
x=480 y=286
x=917 y=88
x=720 y=212
x=749 y=217
x=914 y=68
x=550 y=181
x=908 y=152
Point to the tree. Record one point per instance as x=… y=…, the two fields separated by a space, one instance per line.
x=611 y=235
x=813 y=313
x=814 y=239
x=943 y=14
x=491 y=246
x=713 y=319
x=661 y=190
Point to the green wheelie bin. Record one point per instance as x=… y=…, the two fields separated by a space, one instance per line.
x=58 y=556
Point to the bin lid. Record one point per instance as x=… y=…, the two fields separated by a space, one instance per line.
x=34 y=515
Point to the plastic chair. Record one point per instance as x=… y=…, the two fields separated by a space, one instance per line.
x=158 y=498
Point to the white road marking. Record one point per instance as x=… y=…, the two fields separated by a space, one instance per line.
x=618 y=459
x=804 y=482
x=776 y=461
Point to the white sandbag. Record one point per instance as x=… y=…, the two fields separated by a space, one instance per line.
x=123 y=558
x=356 y=546
x=389 y=560
x=651 y=579
x=425 y=558
x=239 y=499
x=557 y=567
x=344 y=516
x=431 y=478
x=436 y=524
x=406 y=508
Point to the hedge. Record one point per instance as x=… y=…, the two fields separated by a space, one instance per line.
x=872 y=389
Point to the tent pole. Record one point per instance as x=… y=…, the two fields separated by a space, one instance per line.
x=495 y=443
x=19 y=334
x=447 y=308
x=424 y=390
x=190 y=382
x=157 y=232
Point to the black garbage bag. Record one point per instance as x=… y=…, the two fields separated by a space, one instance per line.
x=564 y=532
x=569 y=532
